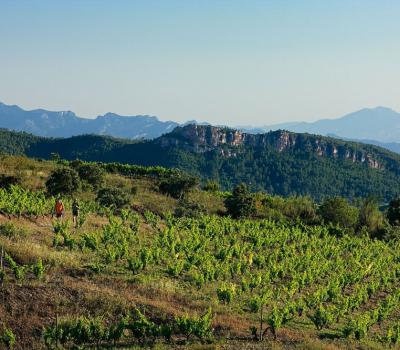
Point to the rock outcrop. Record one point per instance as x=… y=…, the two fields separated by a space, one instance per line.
x=229 y=142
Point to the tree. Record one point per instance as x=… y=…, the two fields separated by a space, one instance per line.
x=338 y=211
x=371 y=218
x=393 y=213
x=63 y=181
x=241 y=203
x=186 y=208
x=112 y=197
x=91 y=173
x=178 y=186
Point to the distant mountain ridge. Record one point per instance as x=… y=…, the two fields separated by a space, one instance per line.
x=380 y=124
x=279 y=162
x=41 y=122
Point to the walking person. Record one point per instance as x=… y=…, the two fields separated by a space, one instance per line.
x=59 y=209
x=75 y=212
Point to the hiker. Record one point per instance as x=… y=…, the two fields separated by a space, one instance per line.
x=59 y=208
x=75 y=212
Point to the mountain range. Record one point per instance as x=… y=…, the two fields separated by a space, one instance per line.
x=41 y=122
x=279 y=162
x=379 y=126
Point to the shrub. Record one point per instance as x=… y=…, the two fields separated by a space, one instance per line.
x=211 y=186
x=6 y=181
x=134 y=190
x=321 y=317
x=91 y=173
x=371 y=218
x=9 y=230
x=241 y=203
x=393 y=213
x=226 y=293
x=63 y=181
x=178 y=186
x=8 y=338
x=38 y=269
x=112 y=198
x=198 y=326
x=338 y=211
x=189 y=209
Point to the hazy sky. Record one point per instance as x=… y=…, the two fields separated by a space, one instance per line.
x=226 y=62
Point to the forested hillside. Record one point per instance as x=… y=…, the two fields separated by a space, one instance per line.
x=277 y=162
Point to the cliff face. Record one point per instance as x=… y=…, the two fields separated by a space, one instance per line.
x=229 y=142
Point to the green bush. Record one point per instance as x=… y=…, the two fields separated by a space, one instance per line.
x=338 y=211
x=211 y=186
x=91 y=173
x=8 y=338
x=112 y=198
x=189 y=209
x=371 y=218
x=178 y=186
x=197 y=326
x=393 y=213
x=241 y=203
x=226 y=293
x=63 y=181
x=9 y=230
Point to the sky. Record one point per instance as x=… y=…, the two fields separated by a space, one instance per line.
x=229 y=62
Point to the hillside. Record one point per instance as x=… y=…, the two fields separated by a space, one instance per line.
x=145 y=276
x=42 y=122
x=278 y=162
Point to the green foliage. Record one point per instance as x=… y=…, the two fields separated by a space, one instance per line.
x=8 y=229
x=226 y=293
x=241 y=203
x=198 y=326
x=371 y=218
x=392 y=335
x=18 y=201
x=8 y=338
x=186 y=208
x=178 y=186
x=63 y=181
x=359 y=327
x=275 y=320
x=393 y=213
x=338 y=211
x=91 y=173
x=151 y=218
x=80 y=331
x=299 y=169
x=294 y=209
x=18 y=270
x=112 y=198
x=211 y=186
x=38 y=269
x=322 y=317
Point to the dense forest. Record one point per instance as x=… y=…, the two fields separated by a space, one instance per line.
x=308 y=165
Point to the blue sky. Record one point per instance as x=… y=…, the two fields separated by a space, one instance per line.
x=226 y=62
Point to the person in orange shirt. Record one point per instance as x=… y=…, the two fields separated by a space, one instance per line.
x=59 y=208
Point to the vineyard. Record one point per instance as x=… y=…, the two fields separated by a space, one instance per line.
x=165 y=280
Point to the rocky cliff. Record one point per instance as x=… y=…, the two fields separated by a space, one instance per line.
x=229 y=142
